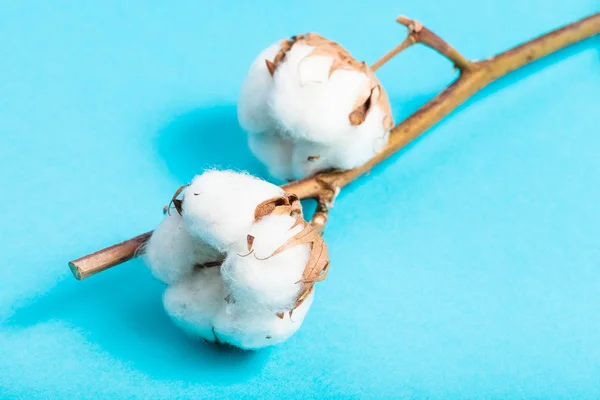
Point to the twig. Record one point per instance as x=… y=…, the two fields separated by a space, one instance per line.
x=474 y=76
x=417 y=33
x=406 y=43
x=109 y=257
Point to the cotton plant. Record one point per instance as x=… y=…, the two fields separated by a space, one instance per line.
x=239 y=259
x=309 y=106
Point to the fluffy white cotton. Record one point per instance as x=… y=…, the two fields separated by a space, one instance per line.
x=314 y=111
x=197 y=305
x=194 y=302
x=218 y=206
x=171 y=253
x=303 y=112
x=260 y=328
x=341 y=154
x=253 y=110
x=259 y=281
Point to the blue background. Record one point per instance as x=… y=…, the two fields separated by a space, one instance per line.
x=466 y=266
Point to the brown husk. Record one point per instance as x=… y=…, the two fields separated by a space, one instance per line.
x=318 y=262
x=177 y=203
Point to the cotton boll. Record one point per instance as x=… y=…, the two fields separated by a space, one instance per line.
x=193 y=303
x=257 y=329
x=171 y=253
x=261 y=293
x=218 y=206
x=261 y=281
x=253 y=111
x=322 y=109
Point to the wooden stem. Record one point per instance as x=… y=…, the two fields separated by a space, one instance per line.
x=109 y=257
x=474 y=76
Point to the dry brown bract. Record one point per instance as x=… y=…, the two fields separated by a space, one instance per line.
x=175 y=202
x=318 y=262
x=373 y=93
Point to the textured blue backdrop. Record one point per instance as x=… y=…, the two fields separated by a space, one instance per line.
x=467 y=266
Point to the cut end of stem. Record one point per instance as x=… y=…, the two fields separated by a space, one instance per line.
x=412 y=24
x=75 y=271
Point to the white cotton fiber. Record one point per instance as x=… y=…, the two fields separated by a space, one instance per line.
x=253 y=110
x=341 y=154
x=314 y=111
x=194 y=302
x=305 y=106
x=171 y=253
x=260 y=281
x=197 y=306
x=218 y=206
x=259 y=328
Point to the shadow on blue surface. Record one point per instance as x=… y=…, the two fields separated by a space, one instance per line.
x=120 y=311
x=203 y=138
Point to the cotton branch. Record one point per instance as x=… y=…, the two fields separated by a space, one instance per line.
x=474 y=76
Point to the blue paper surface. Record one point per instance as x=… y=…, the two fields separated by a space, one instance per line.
x=467 y=266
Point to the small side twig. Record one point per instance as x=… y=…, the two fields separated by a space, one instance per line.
x=417 y=33
x=406 y=43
